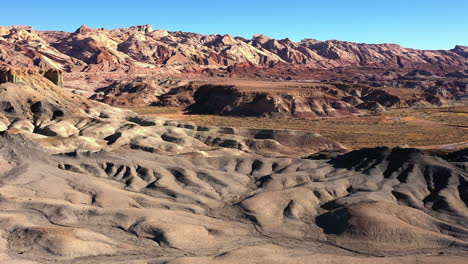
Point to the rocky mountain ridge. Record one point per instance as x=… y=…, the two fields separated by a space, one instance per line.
x=144 y=49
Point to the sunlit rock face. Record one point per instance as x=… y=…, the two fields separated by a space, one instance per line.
x=14 y=75
x=141 y=48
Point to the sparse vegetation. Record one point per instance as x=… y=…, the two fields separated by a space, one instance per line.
x=414 y=127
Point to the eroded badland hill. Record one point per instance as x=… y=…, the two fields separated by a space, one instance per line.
x=84 y=181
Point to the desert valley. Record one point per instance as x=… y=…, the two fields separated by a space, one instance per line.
x=141 y=145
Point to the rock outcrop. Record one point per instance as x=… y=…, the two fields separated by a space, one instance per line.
x=55 y=76
x=372 y=98
x=148 y=91
x=277 y=100
x=14 y=75
x=7 y=75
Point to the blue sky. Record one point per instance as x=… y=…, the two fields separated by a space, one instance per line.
x=424 y=24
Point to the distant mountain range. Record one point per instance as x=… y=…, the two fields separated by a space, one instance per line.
x=144 y=49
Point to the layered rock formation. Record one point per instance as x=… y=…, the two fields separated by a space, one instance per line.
x=361 y=96
x=136 y=92
x=14 y=75
x=38 y=108
x=273 y=99
x=435 y=77
x=141 y=48
x=304 y=101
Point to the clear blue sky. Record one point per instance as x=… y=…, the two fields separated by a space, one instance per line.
x=424 y=24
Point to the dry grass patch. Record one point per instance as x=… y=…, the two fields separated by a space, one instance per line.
x=414 y=127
